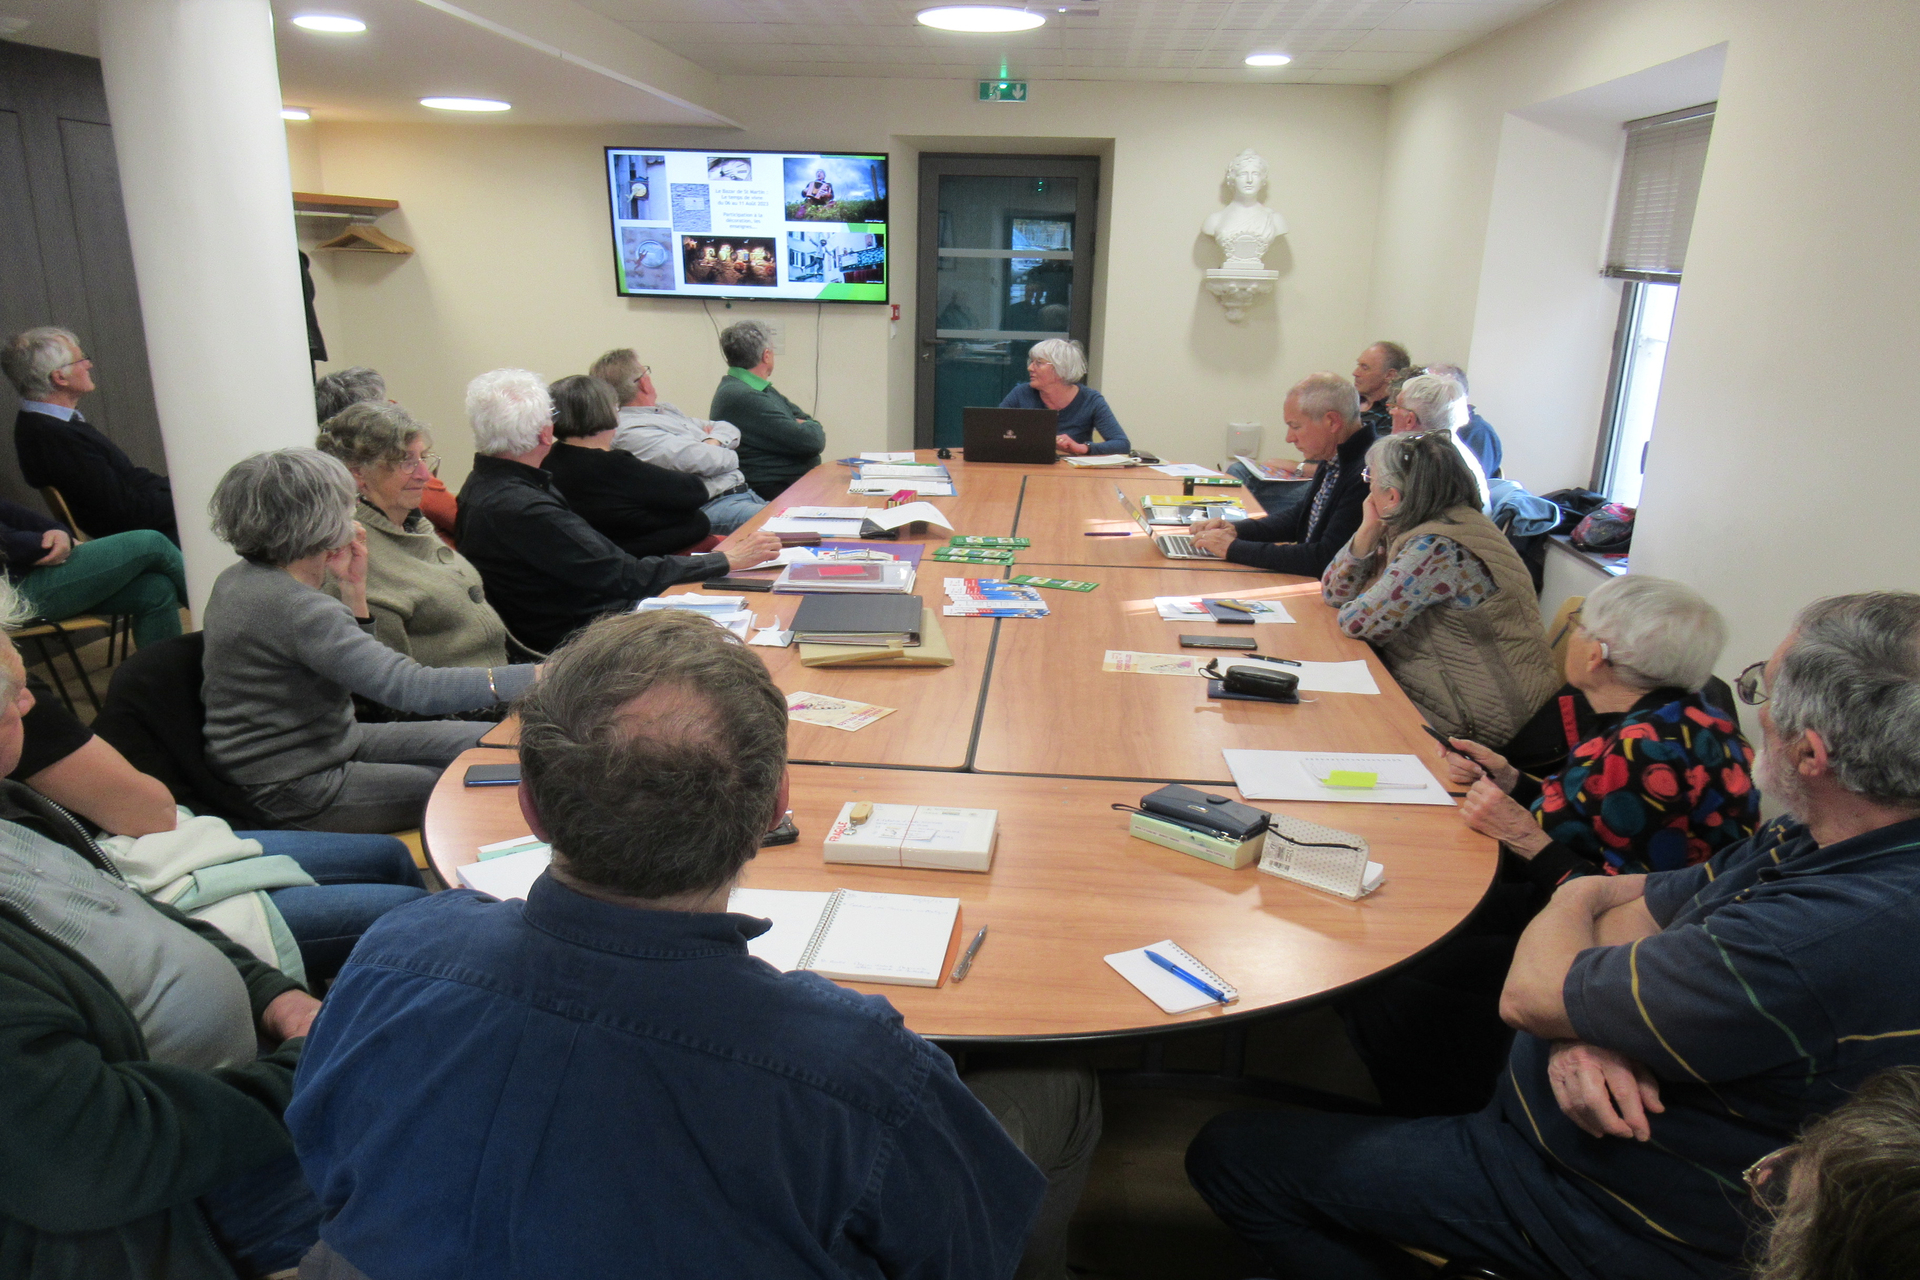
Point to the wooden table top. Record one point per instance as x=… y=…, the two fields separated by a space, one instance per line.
x=1051 y=709
x=1069 y=886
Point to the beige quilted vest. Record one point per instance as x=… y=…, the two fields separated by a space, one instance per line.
x=1476 y=673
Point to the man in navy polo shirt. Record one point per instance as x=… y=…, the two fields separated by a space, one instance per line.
x=601 y=1081
x=1675 y=1027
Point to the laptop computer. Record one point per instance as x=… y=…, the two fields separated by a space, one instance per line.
x=1174 y=546
x=1009 y=435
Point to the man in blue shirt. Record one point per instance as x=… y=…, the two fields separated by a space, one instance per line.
x=601 y=1081
x=1676 y=1028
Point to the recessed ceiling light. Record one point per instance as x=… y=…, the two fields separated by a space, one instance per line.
x=466 y=104
x=1268 y=59
x=331 y=23
x=979 y=17
x=295 y=113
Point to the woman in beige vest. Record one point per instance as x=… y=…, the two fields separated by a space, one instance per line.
x=426 y=599
x=1439 y=591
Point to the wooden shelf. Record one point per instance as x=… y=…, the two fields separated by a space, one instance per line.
x=359 y=208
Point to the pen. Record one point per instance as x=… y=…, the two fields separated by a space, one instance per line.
x=966 y=961
x=1110 y=533
x=1186 y=977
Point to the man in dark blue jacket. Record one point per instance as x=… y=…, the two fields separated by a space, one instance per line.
x=602 y=1080
x=105 y=491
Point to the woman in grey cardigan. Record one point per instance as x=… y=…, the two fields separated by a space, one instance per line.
x=425 y=598
x=283 y=659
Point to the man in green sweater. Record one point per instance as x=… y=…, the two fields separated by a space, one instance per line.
x=779 y=441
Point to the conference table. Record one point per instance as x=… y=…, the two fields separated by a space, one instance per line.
x=1026 y=722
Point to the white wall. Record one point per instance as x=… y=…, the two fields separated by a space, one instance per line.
x=514 y=262
x=1764 y=488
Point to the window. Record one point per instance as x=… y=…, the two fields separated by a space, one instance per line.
x=1652 y=220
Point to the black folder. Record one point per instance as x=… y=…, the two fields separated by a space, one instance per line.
x=858 y=619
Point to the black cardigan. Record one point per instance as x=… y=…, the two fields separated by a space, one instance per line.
x=645 y=509
x=105 y=491
x=1278 y=543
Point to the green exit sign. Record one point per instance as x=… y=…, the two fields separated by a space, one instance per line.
x=1003 y=91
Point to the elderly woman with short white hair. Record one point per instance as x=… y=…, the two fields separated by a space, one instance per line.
x=1429 y=402
x=1662 y=781
x=1054 y=372
x=284 y=658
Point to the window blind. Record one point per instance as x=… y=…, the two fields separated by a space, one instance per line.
x=1659 y=186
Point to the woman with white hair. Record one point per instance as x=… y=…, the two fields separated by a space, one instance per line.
x=1054 y=370
x=1662 y=782
x=1428 y=402
x=284 y=659
x=1441 y=593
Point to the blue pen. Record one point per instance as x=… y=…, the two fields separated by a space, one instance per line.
x=1186 y=977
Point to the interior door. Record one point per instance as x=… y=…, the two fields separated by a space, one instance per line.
x=1006 y=260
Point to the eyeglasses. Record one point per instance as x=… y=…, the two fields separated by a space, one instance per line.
x=428 y=462
x=1769 y=1177
x=1751 y=686
x=82 y=358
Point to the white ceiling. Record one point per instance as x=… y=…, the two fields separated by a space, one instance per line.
x=657 y=61
x=1331 y=41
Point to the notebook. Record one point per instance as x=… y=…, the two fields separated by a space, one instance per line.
x=896 y=938
x=856 y=619
x=844 y=577
x=1161 y=987
x=932 y=651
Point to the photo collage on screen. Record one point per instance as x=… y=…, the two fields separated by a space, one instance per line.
x=714 y=224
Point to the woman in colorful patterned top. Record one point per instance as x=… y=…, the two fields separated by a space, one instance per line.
x=1664 y=782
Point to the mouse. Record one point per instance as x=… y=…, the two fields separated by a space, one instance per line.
x=943 y=452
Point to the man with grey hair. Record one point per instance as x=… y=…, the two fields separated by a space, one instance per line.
x=1323 y=423
x=654 y=431
x=345 y=387
x=1373 y=380
x=1478 y=433
x=547 y=571
x=1675 y=1028
x=692 y=1110
x=779 y=441
x=56 y=446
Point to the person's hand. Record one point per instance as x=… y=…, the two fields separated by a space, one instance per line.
x=1492 y=812
x=348 y=565
x=288 y=1015
x=1067 y=444
x=1606 y=1093
x=1214 y=541
x=59 y=546
x=1480 y=762
x=1208 y=526
x=745 y=550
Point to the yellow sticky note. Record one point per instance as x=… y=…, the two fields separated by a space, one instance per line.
x=1352 y=778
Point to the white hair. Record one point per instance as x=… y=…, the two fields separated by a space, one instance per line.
x=31 y=359
x=1068 y=358
x=1437 y=402
x=1319 y=394
x=1658 y=632
x=508 y=408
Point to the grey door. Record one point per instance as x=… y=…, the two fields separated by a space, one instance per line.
x=1006 y=260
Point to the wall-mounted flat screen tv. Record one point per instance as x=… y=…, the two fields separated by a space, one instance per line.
x=805 y=225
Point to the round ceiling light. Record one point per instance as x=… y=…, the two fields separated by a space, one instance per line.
x=1268 y=59
x=331 y=23
x=466 y=104
x=979 y=18
x=295 y=113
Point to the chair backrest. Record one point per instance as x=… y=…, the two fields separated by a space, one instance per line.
x=58 y=509
x=154 y=717
x=1561 y=629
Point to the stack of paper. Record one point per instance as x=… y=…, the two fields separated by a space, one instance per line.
x=725 y=611
x=992 y=598
x=1189 y=609
x=826 y=527
x=920 y=836
x=929 y=478
x=887 y=457
x=838 y=576
x=1102 y=460
x=1179 y=469
x=1342 y=776
x=932 y=651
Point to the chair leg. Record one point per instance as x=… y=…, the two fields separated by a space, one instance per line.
x=80 y=668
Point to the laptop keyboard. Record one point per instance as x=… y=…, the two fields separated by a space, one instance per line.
x=1181 y=544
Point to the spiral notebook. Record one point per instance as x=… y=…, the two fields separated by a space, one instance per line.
x=1161 y=987
x=898 y=938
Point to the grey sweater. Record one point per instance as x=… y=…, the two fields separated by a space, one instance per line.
x=282 y=660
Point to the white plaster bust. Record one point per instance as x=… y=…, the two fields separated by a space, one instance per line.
x=1246 y=227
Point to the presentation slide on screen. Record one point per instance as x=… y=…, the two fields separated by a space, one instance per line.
x=809 y=226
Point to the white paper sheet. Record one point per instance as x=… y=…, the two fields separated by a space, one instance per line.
x=1184 y=469
x=887 y=457
x=703 y=602
x=1299 y=775
x=787 y=556
x=907 y=513
x=931 y=488
x=508 y=877
x=795 y=914
x=1336 y=677
x=826 y=513
x=825 y=528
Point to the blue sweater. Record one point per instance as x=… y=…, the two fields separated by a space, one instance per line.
x=1087 y=413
